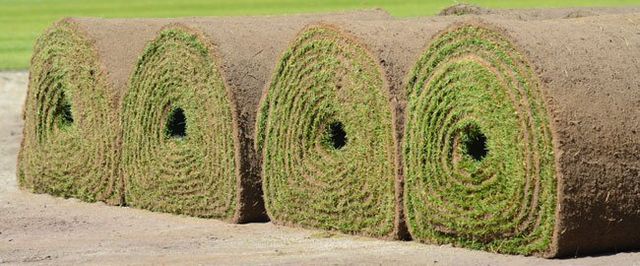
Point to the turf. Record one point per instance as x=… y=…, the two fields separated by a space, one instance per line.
x=325 y=131
x=196 y=120
x=61 y=121
x=21 y=21
x=478 y=154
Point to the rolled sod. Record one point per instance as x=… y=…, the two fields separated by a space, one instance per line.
x=328 y=125
x=189 y=113
x=522 y=137
x=70 y=131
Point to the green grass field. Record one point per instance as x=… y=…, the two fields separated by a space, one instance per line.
x=21 y=21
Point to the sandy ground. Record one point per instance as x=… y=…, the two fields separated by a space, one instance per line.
x=40 y=229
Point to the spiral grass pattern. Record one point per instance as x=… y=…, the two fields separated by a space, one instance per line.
x=179 y=147
x=478 y=150
x=325 y=131
x=70 y=133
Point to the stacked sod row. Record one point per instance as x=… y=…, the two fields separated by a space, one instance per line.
x=501 y=135
x=524 y=140
x=117 y=112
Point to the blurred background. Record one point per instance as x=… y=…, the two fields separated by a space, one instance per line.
x=21 y=21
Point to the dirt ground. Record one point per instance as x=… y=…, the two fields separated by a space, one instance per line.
x=40 y=229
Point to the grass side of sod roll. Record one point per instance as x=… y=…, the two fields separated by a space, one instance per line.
x=325 y=131
x=70 y=127
x=478 y=150
x=179 y=147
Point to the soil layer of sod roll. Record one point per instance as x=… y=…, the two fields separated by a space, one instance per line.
x=67 y=101
x=189 y=113
x=329 y=126
x=522 y=137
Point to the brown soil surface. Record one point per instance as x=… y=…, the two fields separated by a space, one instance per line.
x=40 y=229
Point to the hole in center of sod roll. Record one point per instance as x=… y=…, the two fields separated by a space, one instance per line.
x=475 y=143
x=63 y=112
x=176 y=124
x=336 y=137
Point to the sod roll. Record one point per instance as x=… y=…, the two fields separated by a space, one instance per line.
x=328 y=126
x=189 y=113
x=522 y=137
x=67 y=149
